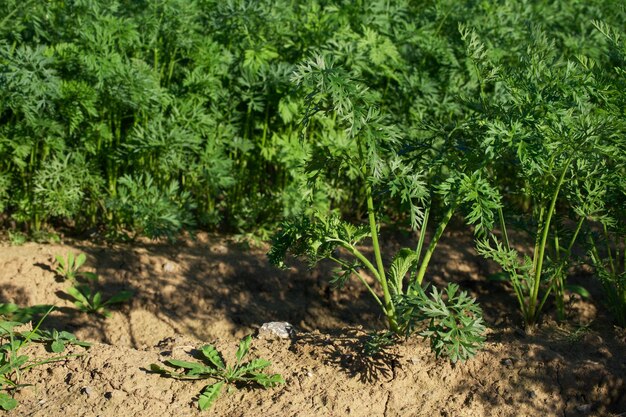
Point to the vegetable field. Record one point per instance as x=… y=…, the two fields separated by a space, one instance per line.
x=430 y=192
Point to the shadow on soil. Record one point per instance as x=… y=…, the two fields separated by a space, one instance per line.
x=348 y=352
x=582 y=372
x=195 y=284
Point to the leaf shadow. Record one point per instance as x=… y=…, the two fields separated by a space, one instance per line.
x=347 y=350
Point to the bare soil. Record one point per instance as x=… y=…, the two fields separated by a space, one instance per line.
x=215 y=290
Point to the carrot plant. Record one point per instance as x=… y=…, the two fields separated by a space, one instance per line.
x=606 y=231
x=549 y=117
x=370 y=148
x=100 y=95
x=607 y=253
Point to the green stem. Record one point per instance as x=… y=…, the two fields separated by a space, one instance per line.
x=609 y=252
x=539 y=255
x=561 y=284
x=433 y=244
x=389 y=308
x=362 y=279
x=505 y=235
x=519 y=293
x=443 y=21
x=357 y=254
x=422 y=236
x=542 y=211
x=595 y=256
x=557 y=247
x=374 y=231
x=172 y=64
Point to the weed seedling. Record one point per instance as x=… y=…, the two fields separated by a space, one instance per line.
x=88 y=300
x=69 y=268
x=12 y=363
x=17 y=238
x=214 y=367
x=58 y=340
x=83 y=292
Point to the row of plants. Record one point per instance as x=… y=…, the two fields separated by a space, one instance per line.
x=533 y=158
x=151 y=117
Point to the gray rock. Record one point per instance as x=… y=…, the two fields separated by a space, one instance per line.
x=276 y=329
x=508 y=362
x=584 y=408
x=169 y=267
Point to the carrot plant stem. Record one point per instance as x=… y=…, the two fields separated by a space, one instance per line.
x=422 y=234
x=609 y=253
x=357 y=253
x=389 y=307
x=362 y=279
x=433 y=244
x=539 y=255
x=505 y=234
x=557 y=274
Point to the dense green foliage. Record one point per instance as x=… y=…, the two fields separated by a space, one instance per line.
x=155 y=116
x=382 y=166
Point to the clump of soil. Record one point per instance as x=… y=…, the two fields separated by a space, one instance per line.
x=212 y=290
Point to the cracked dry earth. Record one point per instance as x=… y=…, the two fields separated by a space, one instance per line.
x=214 y=290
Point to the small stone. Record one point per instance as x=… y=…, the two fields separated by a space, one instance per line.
x=169 y=267
x=604 y=352
x=584 y=408
x=280 y=329
x=531 y=395
x=508 y=362
x=86 y=391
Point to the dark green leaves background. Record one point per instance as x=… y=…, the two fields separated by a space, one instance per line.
x=154 y=116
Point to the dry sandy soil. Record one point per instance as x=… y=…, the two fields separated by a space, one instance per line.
x=215 y=290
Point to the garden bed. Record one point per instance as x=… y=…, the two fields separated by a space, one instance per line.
x=215 y=290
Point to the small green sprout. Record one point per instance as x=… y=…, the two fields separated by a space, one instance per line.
x=69 y=268
x=84 y=294
x=12 y=363
x=88 y=300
